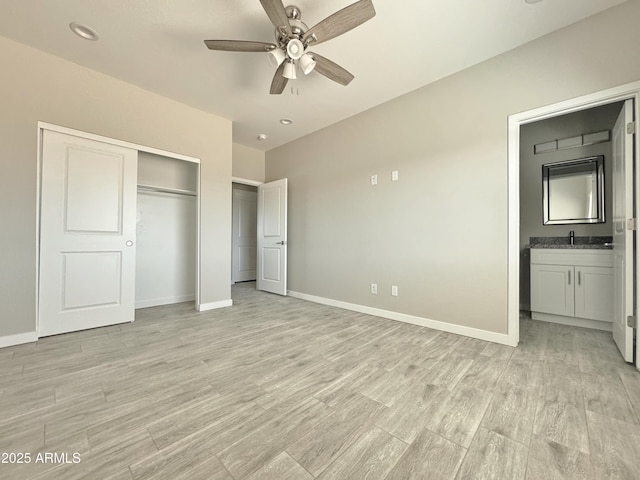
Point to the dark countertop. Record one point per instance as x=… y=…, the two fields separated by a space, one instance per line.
x=601 y=246
x=580 y=243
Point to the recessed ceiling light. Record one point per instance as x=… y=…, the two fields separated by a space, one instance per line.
x=532 y=1
x=286 y=121
x=262 y=137
x=83 y=31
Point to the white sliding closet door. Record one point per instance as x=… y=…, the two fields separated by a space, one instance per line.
x=87 y=234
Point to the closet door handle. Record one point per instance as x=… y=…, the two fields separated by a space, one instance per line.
x=569 y=275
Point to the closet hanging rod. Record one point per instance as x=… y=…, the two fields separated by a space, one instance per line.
x=176 y=191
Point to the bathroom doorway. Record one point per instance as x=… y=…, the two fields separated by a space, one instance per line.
x=536 y=135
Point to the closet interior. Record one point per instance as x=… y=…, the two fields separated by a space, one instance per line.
x=166 y=230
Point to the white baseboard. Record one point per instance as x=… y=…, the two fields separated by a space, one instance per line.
x=403 y=317
x=573 y=321
x=156 y=302
x=19 y=339
x=203 y=307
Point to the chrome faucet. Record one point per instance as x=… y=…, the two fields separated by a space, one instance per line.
x=571 y=237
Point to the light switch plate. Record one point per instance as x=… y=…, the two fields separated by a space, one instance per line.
x=374 y=179
x=394 y=176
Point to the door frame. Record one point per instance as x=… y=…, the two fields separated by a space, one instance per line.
x=241 y=181
x=42 y=126
x=612 y=95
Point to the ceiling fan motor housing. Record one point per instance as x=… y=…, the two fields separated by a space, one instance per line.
x=295 y=48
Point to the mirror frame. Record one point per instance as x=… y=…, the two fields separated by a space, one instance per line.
x=598 y=160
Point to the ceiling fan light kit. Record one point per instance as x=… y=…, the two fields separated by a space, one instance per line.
x=276 y=57
x=307 y=63
x=293 y=39
x=289 y=70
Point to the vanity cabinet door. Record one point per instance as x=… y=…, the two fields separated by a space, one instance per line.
x=552 y=289
x=594 y=293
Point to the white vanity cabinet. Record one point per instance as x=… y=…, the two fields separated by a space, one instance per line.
x=572 y=286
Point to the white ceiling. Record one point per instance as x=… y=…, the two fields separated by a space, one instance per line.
x=158 y=45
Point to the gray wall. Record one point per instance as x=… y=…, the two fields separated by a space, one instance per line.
x=440 y=232
x=160 y=171
x=565 y=126
x=248 y=163
x=38 y=86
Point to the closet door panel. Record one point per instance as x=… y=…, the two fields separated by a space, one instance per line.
x=87 y=234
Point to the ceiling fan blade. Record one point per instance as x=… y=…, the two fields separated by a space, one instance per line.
x=340 y=22
x=279 y=82
x=331 y=70
x=239 y=46
x=277 y=14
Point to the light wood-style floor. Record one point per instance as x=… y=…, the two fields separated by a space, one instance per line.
x=276 y=388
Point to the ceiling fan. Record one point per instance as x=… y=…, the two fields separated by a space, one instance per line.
x=293 y=39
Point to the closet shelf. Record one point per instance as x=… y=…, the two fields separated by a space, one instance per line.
x=176 y=191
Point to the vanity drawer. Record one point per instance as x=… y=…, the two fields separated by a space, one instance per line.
x=578 y=257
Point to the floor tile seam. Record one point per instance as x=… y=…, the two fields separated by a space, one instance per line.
x=301 y=466
x=466 y=449
x=531 y=434
x=380 y=427
x=582 y=409
x=635 y=407
x=461 y=375
x=350 y=445
x=635 y=425
x=226 y=469
x=185 y=438
x=285 y=450
x=627 y=397
x=526 y=463
x=448 y=439
x=178 y=445
x=29 y=413
x=130 y=410
x=592 y=450
x=488 y=409
x=155 y=444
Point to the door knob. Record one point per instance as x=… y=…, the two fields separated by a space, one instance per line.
x=281 y=243
x=129 y=243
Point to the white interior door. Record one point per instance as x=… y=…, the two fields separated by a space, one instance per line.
x=87 y=234
x=244 y=241
x=622 y=144
x=272 y=237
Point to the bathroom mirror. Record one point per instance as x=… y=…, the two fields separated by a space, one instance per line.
x=573 y=191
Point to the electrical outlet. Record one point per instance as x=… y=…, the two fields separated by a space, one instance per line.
x=394 y=290
x=394 y=176
x=374 y=179
x=374 y=288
